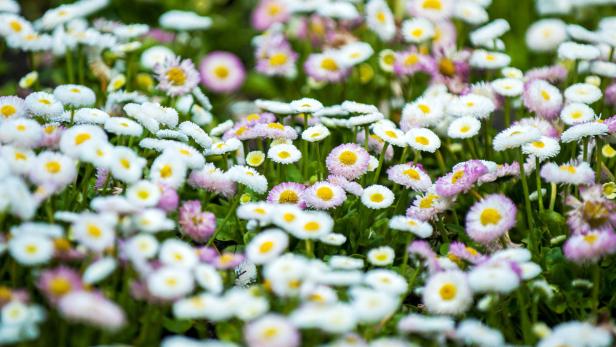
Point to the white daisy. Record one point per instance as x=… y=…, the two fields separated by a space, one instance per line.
x=464 y=127
x=423 y=139
x=170 y=282
x=417 y=30
x=30 y=249
x=403 y=223
x=75 y=95
x=576 y=113
x=266 y=246
x=22 y=132
x=583 y=93
x=515 y=136
x=381 y=256
x=123 y=126
x=377 y=197
x=447 y=293
x=284 y=154
x=544 y=148
x=53 y=168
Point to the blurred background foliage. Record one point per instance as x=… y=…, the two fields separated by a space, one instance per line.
x=232 y=32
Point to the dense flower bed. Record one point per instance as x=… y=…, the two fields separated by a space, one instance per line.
x=377 y=173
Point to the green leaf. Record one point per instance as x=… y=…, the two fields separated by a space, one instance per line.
x=228 y=332
x=177 y=326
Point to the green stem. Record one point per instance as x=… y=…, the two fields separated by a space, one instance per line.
x=236 y=201
x=405 y=257
x=366 y=136
x=553 y=189
x=69 y=66
x=529 y=216
x=598 y=160
x=377 y=172
x=524 y=322
x=539 y=192
x=507 y=112
x=596 y=287
x=405 y=154
x=309 y=248
x=440 y=161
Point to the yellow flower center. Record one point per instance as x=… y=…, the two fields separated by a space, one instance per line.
x=538 y=144
x=457 y=176
x=20 y=156
x=381 y=17
x=377 y=197
x=545 y=95
x=448 y=291
x=81 y=138
x=53 y=166
x=21 y=128
x=253 y=117
x=276 y=126
x=447 y=67
x=422 y=140
x=411 y=59
x=329 y=64
x=311 y=226
x=417 y=32
x=424 y=108
x=270 y=332
x=288 y=217
x=278 y=59
x=412 y=174
x=432 y=5
x=125 y=163
x=266 y=246
x=288 y=197
x=16 y=26
x=273 y=9
x=325 y=193
x=221 y=72
x=381 y=257
x=465 y=128
x=348 y=157
x=7 y=110
x=284 y=155
x=576 y=115
x=143 y=194
x=591 y=238
x=166 y=171
x=427 y=201
x=94 y=231
x=490 y=216
x=176 y=76
x=31 y=249
x=59 y=286
x=44 y=101
x=569 y=168
x=391 y=134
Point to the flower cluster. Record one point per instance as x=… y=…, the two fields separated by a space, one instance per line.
x=380 y=174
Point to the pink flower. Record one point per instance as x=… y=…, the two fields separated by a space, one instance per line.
x=195 y=223
x=169 y=199
x=92 y=308
x=461 y=179
x=348 y=160
x=57 y=282
x=269 y=12
x=590 y=247
x=176 y=77
x=222 y=72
